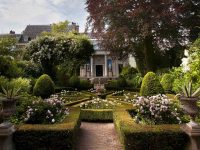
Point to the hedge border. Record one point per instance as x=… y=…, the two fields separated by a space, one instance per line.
x=55 y=137
x=152 y=137
x=77 y=102
x=97 y=115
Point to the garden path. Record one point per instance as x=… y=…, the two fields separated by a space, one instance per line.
x=98 y=136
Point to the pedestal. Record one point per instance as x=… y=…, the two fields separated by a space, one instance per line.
x=193 y=131
x=6 y=133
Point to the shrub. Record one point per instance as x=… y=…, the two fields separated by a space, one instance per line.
x=44 y=86
x=55 y=136
x=30 y=69
x=111 y=85
x=152 y=137
x=22 y=83
x=85 y=85
x=135 y=82
x=74 y=81
x=156 y=110
x=167 y=82
x=128 y=72
x=151 y=85
x=9 y=68
x=121 y=82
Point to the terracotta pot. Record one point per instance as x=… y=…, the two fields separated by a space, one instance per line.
x=8 y=107
x=189 y=105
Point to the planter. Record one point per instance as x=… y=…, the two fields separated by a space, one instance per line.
x=190 y=107
x=8 y=107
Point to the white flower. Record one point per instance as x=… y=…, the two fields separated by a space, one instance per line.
x=53 y=120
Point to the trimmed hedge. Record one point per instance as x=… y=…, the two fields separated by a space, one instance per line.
x=152 y=137
x=151 y=85
x=44 y=86
x=167 y=82
x=97 y=115
x=77 y=102
x=55 y=137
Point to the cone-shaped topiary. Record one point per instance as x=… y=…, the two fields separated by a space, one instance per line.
x=44 y=86
x=167 y=82
x=151 y=85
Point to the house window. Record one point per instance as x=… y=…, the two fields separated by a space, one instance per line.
x=109 y=64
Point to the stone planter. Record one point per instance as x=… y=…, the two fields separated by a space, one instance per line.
x=190 y=107
x=8 y=107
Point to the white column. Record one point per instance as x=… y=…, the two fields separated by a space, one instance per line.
x=106 y=66
x=91 y=66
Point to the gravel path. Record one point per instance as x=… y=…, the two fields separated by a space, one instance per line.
x=98 y=136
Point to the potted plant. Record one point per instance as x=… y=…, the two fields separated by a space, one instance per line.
x=189 y=99
x=9 y=101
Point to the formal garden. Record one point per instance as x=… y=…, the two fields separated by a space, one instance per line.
x=154 y=106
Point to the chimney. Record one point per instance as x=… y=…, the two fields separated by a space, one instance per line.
x=12 y=32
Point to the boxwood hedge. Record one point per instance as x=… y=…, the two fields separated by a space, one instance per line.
x=49 y=137
x=152 y=137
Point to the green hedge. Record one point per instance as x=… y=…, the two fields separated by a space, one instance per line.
x=97 y=115
x=78 y=101
x=55 y=137
x=155 y=137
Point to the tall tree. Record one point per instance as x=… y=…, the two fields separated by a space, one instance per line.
x=7 y=45
x=146 y=28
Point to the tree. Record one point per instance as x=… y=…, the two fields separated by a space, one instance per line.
x=61 y=27
x=60 y=49
x=147 y=28
x=7 y=45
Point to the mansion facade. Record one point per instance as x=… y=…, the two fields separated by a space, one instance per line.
x=100 y=66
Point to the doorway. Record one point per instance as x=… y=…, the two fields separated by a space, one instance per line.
x=99 y=70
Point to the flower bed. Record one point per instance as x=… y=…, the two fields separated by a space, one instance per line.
x=152 y=137
x=97 y=103
x=55 y=136
x=124 y=96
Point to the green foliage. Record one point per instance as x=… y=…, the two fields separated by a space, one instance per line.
x=10 y=93
x=44 y=86
x=188 y=90
x=74 y=82
x=121 y=82
x=152 y=137
x=62 y=76
x=9 y=68
x=167 y=82
x=151 y=85
x=111 y=85
x=30 y=69
x=4 y=82
x=52 y=50
x=56 y=137
x=85 y=85
x=97 y=115
x=7 y=45
x=22 y=83
x=61 y=27
x=128 y=72
x=135 y=81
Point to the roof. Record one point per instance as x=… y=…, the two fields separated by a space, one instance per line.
x=32 y=31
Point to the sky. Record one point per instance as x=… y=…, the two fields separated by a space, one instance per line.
x=17 y=14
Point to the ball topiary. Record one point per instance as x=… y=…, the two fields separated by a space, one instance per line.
x=167 y=82
x=44 y=86
x=151 y=85
x=121 y=82
x=74 y=82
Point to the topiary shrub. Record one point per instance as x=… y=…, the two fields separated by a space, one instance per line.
x=44 y=86
x=151 y=85
x=74 y=82
x=167 y=82
x=85 y=85
x=111 y=85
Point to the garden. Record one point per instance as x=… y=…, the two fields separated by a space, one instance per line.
x=153 y=106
